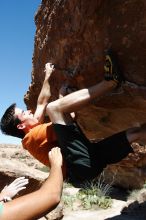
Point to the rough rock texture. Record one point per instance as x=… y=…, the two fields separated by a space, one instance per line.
x=74 y=35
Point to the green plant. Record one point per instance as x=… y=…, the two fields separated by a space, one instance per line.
x=96 y=193
x=92 y=195
x=68 y=200
x=104 y=187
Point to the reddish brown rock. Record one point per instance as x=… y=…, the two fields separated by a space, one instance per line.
x=75 y=34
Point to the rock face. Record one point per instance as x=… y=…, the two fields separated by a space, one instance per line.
x=74 y=35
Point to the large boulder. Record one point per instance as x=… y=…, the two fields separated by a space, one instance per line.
x=75 y=35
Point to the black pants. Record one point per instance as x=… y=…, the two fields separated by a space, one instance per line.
x=85 y=160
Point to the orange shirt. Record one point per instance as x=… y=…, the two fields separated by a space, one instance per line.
x=39 y=141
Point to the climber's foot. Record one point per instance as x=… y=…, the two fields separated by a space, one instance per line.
x=112 y=69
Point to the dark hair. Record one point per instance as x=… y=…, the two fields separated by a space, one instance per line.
x=9 y=122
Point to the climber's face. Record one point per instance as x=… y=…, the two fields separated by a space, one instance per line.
x=27 y=119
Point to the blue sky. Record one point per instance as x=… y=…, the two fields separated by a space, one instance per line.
x=16 y=50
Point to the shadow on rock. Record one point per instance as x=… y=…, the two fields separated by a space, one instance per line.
x=135 y=211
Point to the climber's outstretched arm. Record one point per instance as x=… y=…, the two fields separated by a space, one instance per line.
x=44 y=94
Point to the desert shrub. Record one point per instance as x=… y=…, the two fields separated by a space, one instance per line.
x=95 y=195
x=92 y=194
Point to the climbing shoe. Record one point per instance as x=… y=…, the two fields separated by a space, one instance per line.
x=112 y=69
